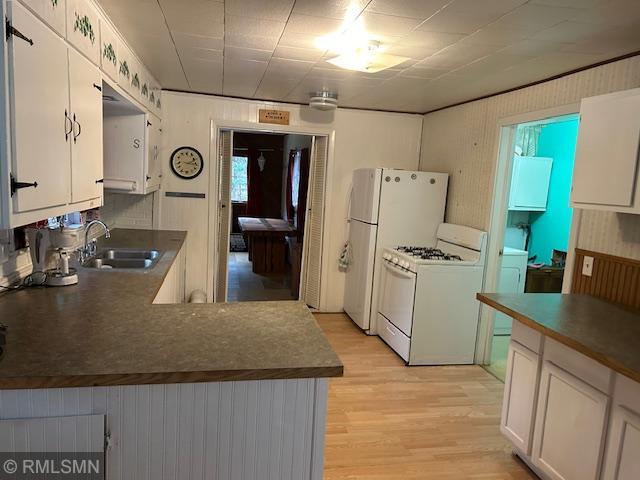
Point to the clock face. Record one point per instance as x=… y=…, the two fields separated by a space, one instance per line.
x=186 y=162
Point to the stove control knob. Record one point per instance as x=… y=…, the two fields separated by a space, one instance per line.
x=386 y=256
x=405 y=264
x=395 y=260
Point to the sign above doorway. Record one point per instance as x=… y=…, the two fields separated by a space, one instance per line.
x=278 y=117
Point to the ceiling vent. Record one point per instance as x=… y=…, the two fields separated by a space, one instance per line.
x=324 y=101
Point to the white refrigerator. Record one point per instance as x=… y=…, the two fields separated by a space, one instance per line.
x=388 y=208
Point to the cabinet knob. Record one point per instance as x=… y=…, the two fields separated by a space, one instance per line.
x=15 y=185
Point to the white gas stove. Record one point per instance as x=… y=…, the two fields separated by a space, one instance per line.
x=427 y=310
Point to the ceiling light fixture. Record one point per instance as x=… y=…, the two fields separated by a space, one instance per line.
x=357 y=50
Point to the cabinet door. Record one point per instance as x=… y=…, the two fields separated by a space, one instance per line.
x=530 y=183
x=83 y=30
x=623 y=455
x=518 y=407
x=153 y=168
x=86 y=113
x=39 y=86
x=570 y=426
x=108 y=50
x=52 y=12
x=607 y=150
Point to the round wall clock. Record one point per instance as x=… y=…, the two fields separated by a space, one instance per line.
x=186 y=162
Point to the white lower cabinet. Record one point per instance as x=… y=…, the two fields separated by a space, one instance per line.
x=520 y=392
x=570 y=426
x=622 y=459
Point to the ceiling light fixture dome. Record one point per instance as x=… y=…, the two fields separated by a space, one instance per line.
x=324 y=101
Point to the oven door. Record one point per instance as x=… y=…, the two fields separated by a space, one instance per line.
x=397 y=291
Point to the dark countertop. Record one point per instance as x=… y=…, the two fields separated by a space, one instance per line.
x=608 y=333
x=105 y=331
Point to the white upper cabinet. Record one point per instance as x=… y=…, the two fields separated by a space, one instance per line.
x=52 y=12
x=530 y=183
x=108 y=50
x=40 y=116
x=83 y=28
x=606 y=165
x=86 y=149
x=132 y=153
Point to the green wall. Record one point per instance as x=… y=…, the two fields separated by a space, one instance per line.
x=550 y=229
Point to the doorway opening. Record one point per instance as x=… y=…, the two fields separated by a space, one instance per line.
x=271 y=198
x=536 y=218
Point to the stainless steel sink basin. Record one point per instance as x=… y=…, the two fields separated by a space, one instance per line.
x=123 y=259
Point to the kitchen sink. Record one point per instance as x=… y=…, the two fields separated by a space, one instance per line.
x=123 y=259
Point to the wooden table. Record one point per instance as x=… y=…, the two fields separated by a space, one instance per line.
x=266 y=239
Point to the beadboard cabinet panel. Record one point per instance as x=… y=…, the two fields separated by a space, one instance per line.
x=267 y=429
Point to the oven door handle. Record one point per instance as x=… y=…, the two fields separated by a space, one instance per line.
x=398 y=271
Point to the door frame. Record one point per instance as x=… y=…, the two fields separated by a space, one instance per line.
x=251 y=127
x=503 y=151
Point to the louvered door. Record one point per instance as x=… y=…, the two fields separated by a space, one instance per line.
x=224 y=214
x=313 y=238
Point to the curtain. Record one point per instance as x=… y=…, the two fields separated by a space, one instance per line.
x=302 y=192
x=254 y=190
x=289 y=211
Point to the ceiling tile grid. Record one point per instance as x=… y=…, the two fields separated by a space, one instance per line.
x=455 y=50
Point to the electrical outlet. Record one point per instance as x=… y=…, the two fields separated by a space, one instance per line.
x=587 y=266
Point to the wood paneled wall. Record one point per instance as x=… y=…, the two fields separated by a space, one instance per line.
x=614 y=279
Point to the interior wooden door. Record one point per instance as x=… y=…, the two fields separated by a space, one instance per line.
x=313 y=236
x=224 y=214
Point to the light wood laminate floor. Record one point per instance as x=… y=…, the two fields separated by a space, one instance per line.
x=388 y=421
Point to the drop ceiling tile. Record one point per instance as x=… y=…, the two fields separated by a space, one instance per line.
x=457 y=55
x=201 y=54
x=448 y=21
x=340 y=9
x=567 y=32
x=615 y=42
x=434 y=40
x=383 y=26
x=251 y=41
x=531 y=47
x=242 y=77
x=485 y=9
x=293 y=53
x=493 y=35
x=289 y=68
x=530 y=18
x=313 y=25
x=422 y=72
x=568 y=3
x=275 y=87
x=420 y=9
x=239 y=25
x=489 y=64
x=185 y=40
x=298 y=40
x=267 y=9
x=247 y=53
x=200 y=17
x=611 y=13
x=415 y=52
x=204 y=76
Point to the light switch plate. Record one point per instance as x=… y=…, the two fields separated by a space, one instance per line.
x=587 y=266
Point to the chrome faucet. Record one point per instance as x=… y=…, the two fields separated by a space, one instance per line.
x=89 y=249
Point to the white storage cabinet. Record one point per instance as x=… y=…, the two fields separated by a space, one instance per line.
x=132 y=153
x=605 y=175
x=530 y=183
x=55 y=102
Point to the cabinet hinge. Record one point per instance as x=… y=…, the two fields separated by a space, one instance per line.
x=15 y=185
x=11 y=30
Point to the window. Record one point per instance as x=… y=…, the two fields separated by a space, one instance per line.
x=239 y=183
x=295 y=180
